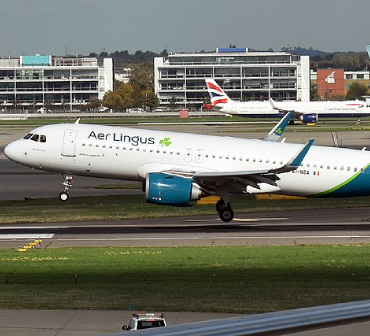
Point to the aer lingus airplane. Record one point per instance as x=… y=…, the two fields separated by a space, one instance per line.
x=177 y=168
x=307 y=112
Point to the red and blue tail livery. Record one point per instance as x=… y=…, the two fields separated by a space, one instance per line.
x=218 y=96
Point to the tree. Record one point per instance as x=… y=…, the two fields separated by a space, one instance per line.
x=126 y=92
x=172 y=104
x=113 y=100
x=313 y=93
x=356 y=91
x=93 y=104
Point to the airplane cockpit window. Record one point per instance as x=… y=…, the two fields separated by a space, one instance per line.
x=35 y=137
x=28 y=136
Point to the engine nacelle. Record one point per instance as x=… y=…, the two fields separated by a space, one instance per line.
x=171 y=190
x=309 y=118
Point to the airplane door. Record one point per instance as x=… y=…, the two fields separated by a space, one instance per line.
x=69 y=143
x=198 y=156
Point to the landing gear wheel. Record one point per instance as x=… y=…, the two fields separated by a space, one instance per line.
x=220 y=204
x=63 y=196
x=226 y=214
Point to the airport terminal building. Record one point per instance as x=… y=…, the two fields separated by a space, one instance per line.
x=46 y=82
x=244 y=75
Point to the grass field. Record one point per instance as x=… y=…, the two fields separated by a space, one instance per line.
x=216 y=279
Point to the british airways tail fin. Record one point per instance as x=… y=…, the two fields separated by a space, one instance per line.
x=218 y=96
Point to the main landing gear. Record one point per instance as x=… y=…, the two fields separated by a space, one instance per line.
x=64 y=195
x=224 y=211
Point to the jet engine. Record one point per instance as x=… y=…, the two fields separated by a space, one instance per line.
x=309 y=118
x=171 y=190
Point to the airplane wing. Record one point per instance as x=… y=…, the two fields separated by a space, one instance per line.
x=296 y=112
x=251 y=181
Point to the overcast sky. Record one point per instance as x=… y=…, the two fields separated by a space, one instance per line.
x=84 y=26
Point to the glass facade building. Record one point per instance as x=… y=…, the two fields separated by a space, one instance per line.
x=54 y=83
x=244 y=76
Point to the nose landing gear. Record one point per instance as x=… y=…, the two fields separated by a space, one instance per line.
x=64 y=195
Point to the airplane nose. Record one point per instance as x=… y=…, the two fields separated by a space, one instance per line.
x=11 y=151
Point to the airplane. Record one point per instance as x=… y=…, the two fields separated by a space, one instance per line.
x=307 y=112
x=178 y=168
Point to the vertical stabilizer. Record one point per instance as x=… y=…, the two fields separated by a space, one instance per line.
x=218 y=96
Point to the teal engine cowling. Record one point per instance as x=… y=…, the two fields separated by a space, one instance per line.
x=309 y=118
x=171 y=190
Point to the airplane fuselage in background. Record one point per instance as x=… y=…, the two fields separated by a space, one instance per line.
x=322 y=109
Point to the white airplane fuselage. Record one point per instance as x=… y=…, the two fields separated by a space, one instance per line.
x=131 y=154
x=338 y=109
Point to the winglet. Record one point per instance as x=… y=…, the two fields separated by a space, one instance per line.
x=279 y=128
x=295 y=161
x=272 y=102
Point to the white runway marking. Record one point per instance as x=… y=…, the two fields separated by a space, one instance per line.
x=257 y=219
x=26 y=236
x=236 y=220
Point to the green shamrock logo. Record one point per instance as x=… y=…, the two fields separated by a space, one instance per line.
x=279 y=131
x=165 y=142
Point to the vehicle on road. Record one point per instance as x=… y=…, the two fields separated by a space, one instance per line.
x=145 y=321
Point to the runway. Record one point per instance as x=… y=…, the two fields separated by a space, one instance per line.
x=325 y=226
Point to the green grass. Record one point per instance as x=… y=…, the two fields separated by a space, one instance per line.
x=221 y=279
x=124 y=207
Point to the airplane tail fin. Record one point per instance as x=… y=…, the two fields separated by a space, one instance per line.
x=218 y=96
x=279 y=128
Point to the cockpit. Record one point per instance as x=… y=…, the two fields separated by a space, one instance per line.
x=35 y=137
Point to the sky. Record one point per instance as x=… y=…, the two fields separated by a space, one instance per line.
x=83 y=26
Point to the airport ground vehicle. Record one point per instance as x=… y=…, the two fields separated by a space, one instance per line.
x=145 y=321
